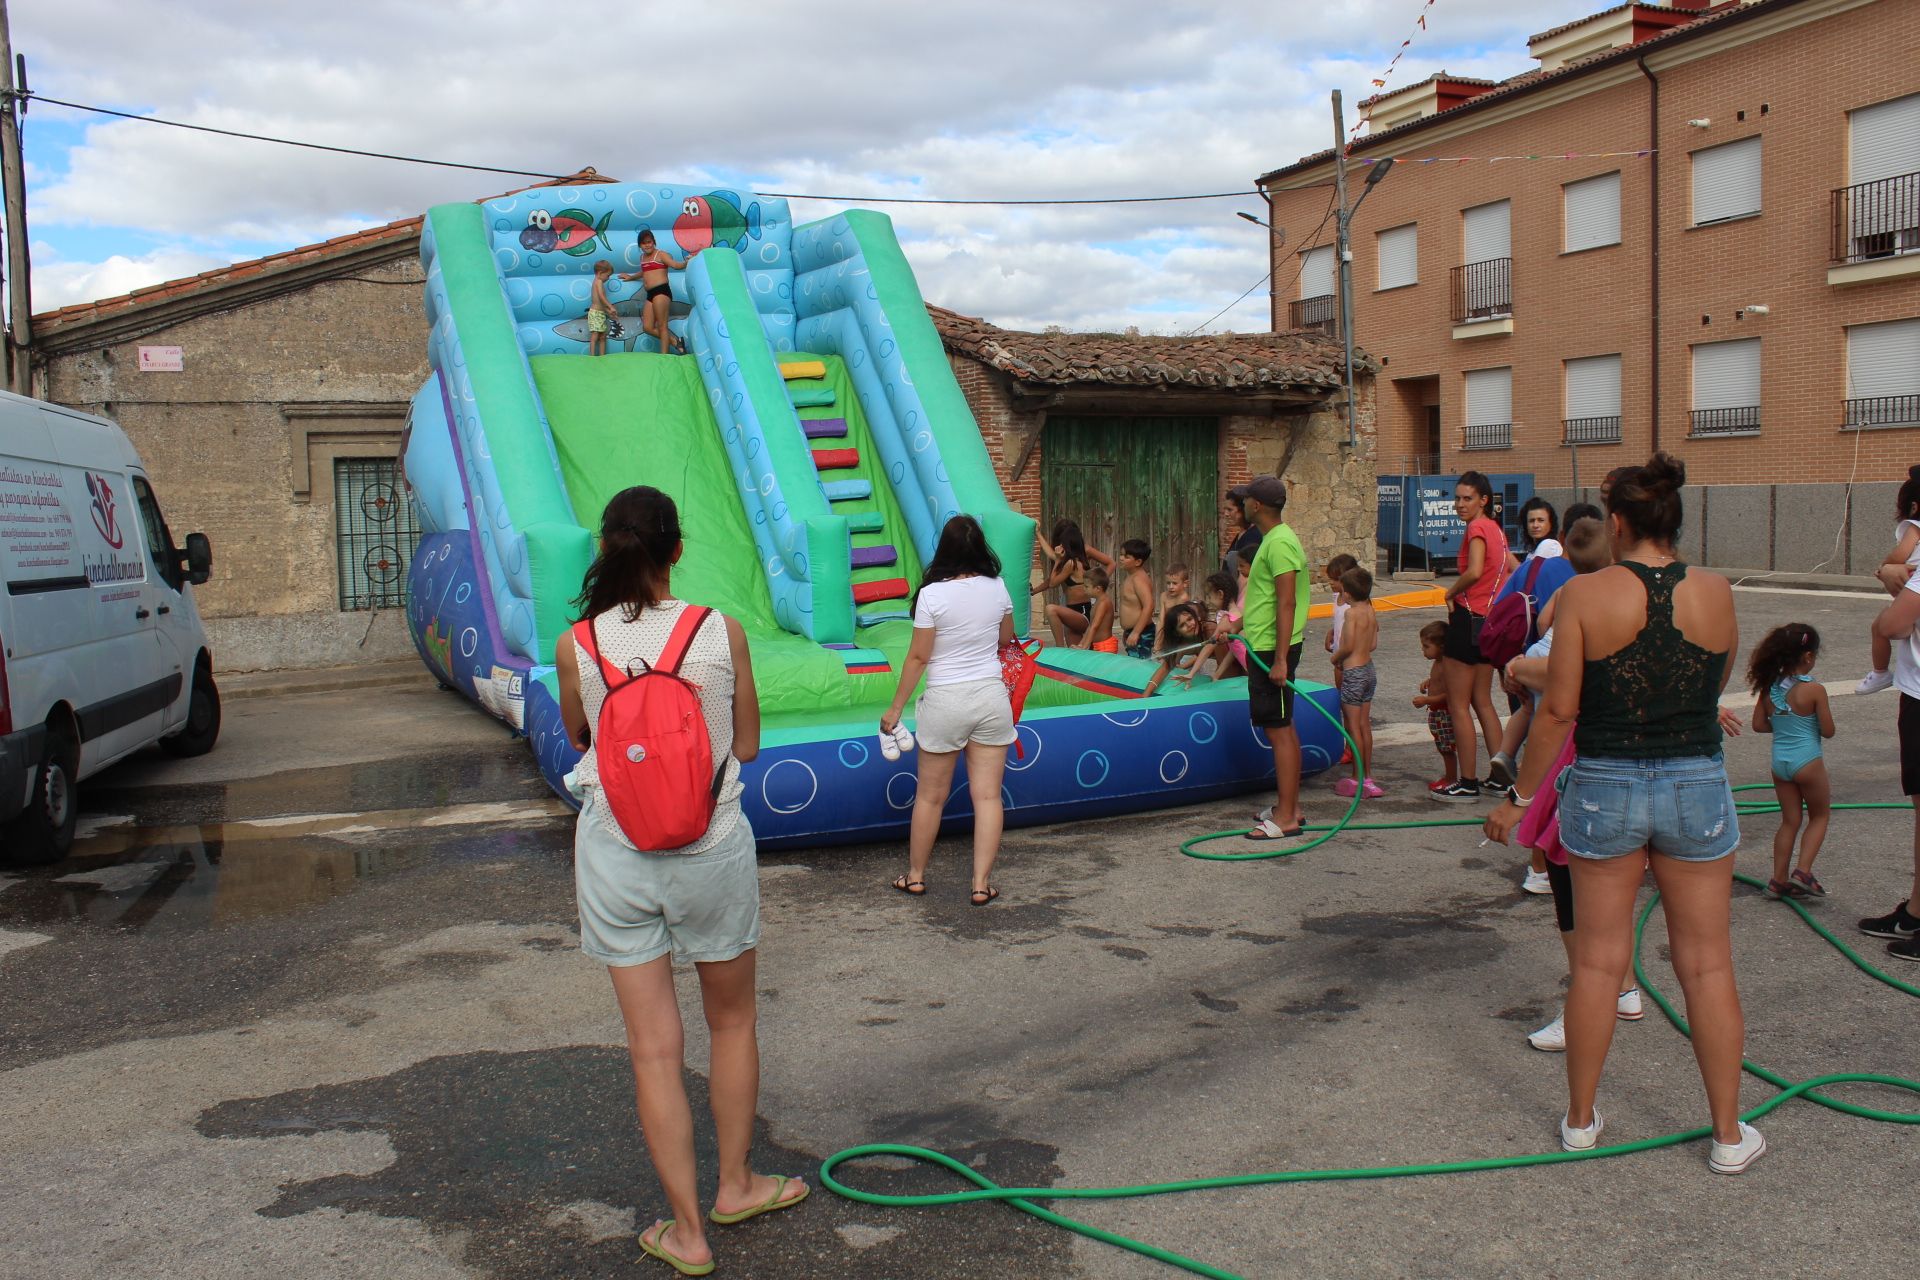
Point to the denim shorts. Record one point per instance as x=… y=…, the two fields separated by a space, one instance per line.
x=636 y=907
x=1680 y=808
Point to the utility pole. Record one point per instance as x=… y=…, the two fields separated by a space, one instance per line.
x=13 y=188
x=1342 y=252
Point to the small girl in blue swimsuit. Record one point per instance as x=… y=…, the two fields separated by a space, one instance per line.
x=1793 y=707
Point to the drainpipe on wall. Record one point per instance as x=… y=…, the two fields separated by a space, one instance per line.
x=1653 y=208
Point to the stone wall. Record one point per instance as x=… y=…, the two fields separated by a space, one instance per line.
x=241 y=443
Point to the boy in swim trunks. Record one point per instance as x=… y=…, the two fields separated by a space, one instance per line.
x=1136 y=599
x=1099 y=633
x=600 y=310
x=1353 y=667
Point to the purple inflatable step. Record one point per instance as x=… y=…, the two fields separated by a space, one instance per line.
x=868 y=557
x=824 y=428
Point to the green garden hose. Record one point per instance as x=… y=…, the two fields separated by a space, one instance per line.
x=1025 y=1198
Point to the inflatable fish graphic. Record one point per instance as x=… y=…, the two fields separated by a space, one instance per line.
x=716 y=218
x=571 y=231
x=628 y=314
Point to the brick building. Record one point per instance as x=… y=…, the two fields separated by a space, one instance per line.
x=1139 y=435
x=1737 y=283
x=271 y=404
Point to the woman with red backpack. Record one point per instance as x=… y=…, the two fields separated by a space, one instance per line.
x=658 y=695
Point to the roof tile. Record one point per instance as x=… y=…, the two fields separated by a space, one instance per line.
x=1298 y=358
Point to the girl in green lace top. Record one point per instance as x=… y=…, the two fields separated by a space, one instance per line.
x=1641 y=653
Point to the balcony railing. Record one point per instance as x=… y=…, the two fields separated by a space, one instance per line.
x=1314 y=313
x=1489 y=435
x=1605 y=430
x=1883 y=411
x=1877 y=219
x=1744 y=421
x=1483 y=290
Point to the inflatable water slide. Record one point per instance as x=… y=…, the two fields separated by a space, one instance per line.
x=815 y=440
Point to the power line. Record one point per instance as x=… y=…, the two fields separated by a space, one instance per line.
x=535 y=173
x=1306 y=244
x=291 y=142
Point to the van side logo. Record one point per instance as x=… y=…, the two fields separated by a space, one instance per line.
x=105 y=511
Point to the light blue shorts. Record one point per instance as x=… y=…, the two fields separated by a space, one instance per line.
x=635 y=907
x=1680 y=808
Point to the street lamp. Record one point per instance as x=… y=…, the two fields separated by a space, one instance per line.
x=1343 y=252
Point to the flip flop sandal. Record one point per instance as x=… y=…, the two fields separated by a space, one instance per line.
x=906 y=885
x=773 y=1202
x=654 y=1249
x=1271 y=830
x=1805 y=884
x=981 y=897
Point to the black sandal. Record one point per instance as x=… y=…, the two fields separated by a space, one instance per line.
x=914 y=887
x=981 y=897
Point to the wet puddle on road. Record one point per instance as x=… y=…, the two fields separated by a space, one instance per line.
x=124 y=875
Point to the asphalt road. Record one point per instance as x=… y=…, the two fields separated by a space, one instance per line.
x=312 y=1006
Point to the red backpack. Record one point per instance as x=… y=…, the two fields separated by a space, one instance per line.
x=655 y=758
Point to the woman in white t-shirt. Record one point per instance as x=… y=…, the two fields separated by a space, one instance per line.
x=962 y=614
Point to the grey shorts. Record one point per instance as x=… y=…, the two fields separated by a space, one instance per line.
x=952 y=715
x=1679 y=808
x=636 y=907
x=1357 y=685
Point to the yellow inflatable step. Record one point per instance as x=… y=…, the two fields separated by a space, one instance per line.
x=804 y=369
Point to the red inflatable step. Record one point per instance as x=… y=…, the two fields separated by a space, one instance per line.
x=828 y=459
x=884 y=589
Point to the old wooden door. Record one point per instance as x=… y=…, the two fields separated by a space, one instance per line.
x=1151 y=478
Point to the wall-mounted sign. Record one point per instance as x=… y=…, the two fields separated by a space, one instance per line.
x=160 y=360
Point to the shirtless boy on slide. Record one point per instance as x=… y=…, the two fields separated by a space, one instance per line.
x=1136 y=599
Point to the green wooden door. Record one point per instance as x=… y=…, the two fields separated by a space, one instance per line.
x=1151 y=478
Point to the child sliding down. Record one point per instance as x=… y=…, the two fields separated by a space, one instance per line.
x=1794 y=709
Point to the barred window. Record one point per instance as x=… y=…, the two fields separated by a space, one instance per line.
x=375 y=532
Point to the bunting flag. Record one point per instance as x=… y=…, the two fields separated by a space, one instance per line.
x=1380 y=81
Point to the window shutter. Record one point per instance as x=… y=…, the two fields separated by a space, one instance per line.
x=1726 y=181
x=1884 y=141
x=1883 y=359
x=1593 y=387
x=1316 y=272
x=1488 y=233
x=1593 y=212
x=1489 y=397
x=1399 y=250
x=1726 y=375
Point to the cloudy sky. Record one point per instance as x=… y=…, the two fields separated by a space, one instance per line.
x=858 y=97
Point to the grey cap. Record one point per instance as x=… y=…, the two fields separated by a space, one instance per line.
x=1269 y=491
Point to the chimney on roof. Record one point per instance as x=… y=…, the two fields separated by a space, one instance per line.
x=1437 y=93
x=1614 y=28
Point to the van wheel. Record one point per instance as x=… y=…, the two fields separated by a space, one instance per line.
x=44 y=830
x=203 y=719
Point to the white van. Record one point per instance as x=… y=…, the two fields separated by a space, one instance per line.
x=101 y=648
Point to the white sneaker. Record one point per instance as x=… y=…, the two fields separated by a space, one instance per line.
x=1536 y=882
x=1551 y=1038
x=1627 y=1008
x=1874 y=682
x=1734 y=1157
x=1572 y=1139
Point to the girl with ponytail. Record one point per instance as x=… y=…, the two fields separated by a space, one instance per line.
x=1893 y=574
x=641 y=909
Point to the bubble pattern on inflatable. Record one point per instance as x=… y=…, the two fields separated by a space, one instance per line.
x=546 y=240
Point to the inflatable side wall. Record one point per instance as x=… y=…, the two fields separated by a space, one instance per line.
x=858 y=300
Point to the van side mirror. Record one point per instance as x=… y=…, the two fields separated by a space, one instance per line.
x=198 y=558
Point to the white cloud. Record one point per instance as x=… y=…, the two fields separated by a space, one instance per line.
x=993 y=99
x=60 y=283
